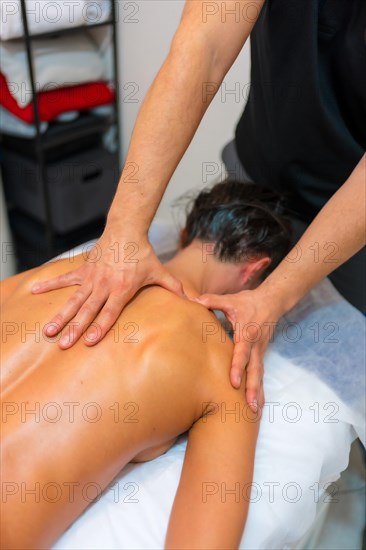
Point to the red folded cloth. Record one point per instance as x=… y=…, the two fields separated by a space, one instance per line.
x=54 y=102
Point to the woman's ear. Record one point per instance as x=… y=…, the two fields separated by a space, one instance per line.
x=252 y=271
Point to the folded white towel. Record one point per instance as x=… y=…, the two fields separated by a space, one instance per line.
x=14 y=126
x=58 y=61
x=49 y=16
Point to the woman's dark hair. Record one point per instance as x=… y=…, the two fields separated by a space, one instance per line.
x=244 y=220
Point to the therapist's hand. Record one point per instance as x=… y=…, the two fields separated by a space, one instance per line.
x=253 y=321
x=109 y=278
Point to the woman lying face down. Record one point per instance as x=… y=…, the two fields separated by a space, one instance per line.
x=72 y=419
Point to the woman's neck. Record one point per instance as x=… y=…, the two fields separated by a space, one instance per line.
x=189 y=267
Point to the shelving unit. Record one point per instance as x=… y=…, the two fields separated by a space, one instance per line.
x=41 y=146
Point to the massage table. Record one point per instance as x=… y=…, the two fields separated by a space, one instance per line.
x=315 y=408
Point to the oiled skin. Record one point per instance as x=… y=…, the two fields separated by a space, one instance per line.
x=98 y=408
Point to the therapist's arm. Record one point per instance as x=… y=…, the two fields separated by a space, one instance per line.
x=335 y=235
x=206 y=43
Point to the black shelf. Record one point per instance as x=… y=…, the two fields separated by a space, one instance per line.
x=58 y=134
x=66 y=135
x=82 y=128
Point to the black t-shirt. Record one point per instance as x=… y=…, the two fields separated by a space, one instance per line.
x=303 y=129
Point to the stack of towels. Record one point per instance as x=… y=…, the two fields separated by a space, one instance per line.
x=70 y=70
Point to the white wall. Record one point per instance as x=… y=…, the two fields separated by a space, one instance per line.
x=146 y=28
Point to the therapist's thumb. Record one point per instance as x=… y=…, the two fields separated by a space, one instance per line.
x=214 y=301
x=166 y=280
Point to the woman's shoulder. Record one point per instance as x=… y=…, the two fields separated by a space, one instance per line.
x=184 y=329
x=163 y=308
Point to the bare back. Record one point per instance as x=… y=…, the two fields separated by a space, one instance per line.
x=73 y=418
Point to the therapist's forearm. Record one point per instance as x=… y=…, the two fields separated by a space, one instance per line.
x=198 y=60
x=334 y=236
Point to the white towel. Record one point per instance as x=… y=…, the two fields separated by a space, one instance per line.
x=14 y=126
x=50 y=16
x=58 y=61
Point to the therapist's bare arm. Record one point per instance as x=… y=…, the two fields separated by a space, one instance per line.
x=203 y=49
x=335 y=235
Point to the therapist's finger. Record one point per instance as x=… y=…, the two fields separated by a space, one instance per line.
x=61 y=281
x=72 y=306
x=262 y=399
x=239 y=362
x=107 y=317
x=84 y=318
x=228 y=304
x=254 y=378
x=163 y=278
x=217 y=301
